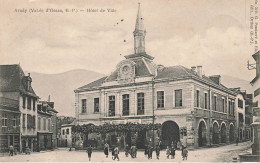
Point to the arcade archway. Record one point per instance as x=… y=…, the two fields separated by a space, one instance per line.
x=170 y=133
x=231 y=133
x=202 y=139
x=215 y=138
x=223 y=133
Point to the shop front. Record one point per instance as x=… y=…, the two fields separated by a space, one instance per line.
x=44 y=141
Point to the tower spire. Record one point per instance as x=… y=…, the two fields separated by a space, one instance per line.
x=139 y=33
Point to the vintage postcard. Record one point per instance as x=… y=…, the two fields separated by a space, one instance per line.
x=129 y=81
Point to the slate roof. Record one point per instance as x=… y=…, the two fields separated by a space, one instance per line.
x=140 y=70
x=166 y=73
x=12 y=79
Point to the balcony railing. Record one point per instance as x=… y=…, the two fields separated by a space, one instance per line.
x=140 y=112
x=111 y=113
x=9 y=102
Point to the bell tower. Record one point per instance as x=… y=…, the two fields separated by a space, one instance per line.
x=139 y=33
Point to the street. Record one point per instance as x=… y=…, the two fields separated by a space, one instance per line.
x=215 y=154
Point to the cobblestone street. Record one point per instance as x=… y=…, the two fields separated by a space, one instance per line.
x=216 y=154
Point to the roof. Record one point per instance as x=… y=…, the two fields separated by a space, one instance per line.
x=12 y=79
x=71 y=124
x=165 y=73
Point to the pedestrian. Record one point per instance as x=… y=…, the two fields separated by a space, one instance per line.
x=89 y=151
x=184 y=154
x=11 y=150
x=172 y=152
x=113 y=152
x=150 y=152
x=167 y=152
x=106 y=150
x=237 y=141
x=116 y=153
x=157 y=150
x=127 y=149
x=133 y=151
x=145 y=150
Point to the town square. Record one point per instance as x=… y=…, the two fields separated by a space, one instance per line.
x=173 y=92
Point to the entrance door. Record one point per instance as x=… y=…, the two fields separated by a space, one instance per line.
x=231 y=133
x=141 y=139
x=215 y=134
x=170 y=133
x=202 y=134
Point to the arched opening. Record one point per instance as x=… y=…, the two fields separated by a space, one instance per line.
x=215 y=138
x=170 y=133
x=202 y=134
x=231 y=133
x=223 y=133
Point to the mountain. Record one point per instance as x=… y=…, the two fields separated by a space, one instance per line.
x=233 y=82
x=61 y=87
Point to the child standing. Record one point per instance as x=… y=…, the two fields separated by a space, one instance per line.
x=167 y=152
x=89 y=151
x=157 y=150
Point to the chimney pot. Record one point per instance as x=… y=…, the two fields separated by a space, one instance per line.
x=199 y=71
x=193 y=68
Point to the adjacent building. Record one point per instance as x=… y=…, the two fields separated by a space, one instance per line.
x=66 y=135
x=193 y=108
x=18 y=103
x=47 y=125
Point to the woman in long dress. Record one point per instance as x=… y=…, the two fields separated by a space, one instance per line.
x=106 y=149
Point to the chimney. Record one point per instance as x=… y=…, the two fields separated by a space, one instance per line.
x=29 y=74
x=199 y=71
x=49 y=98
x=193 y=68
x=216 y=79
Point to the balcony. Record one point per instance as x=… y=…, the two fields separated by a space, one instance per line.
x=11 y=129
x=201 y=112
x=111 y=113
x=9 y=102
x=219 y=115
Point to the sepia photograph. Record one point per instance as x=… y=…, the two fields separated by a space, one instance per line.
x=129 y=81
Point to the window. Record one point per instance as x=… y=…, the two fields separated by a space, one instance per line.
x=215 y=103
x=63 y=132
x=84 y=105
x=233 y=108
x=160 y=99
x=111 y=106
x=14 y=121
x=229 y=107
x=67 y=131
x=29 y=121
x=44 y=124
x=198 y=98
x=140 y=103
x=33 y=104
x=29 y=102
x=39 y=123
x=178 y=98
x=33 y=122
x=223 y=105
x=205 y=100
x=24 y=120
x=4 y=120
x=24 y=100
x=126 y=104
x=49 y=124
x=240 y=103
x=39 y=107
x=96 y=105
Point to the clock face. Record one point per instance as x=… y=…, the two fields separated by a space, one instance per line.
x=126 y=69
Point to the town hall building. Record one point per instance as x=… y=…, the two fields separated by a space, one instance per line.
x=192 y=108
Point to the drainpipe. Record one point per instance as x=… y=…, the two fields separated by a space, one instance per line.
x=153 y=108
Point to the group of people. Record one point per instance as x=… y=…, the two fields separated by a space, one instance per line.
x=170 y=151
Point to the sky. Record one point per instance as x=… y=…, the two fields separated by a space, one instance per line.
x=214 y=34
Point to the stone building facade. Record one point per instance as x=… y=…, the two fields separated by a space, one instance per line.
x=15 y=86
x=194 y=109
